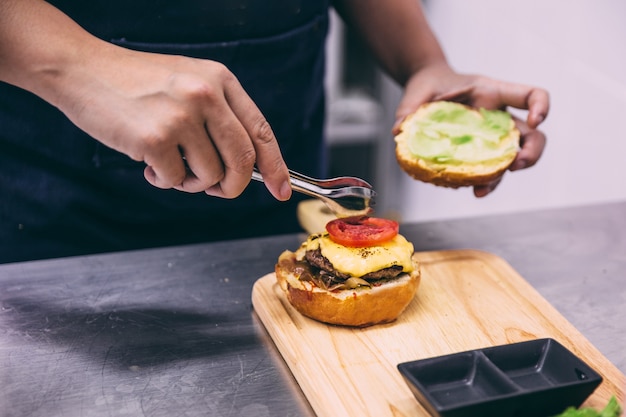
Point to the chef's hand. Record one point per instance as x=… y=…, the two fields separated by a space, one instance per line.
x=188 y=119
x=439 y=82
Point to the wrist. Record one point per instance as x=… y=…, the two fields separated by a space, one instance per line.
x=436 y=68
x=47 y=58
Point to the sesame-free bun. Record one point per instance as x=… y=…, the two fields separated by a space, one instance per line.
x=358 y=307
x=453 y=171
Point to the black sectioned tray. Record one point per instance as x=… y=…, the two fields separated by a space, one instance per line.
x=537 y=378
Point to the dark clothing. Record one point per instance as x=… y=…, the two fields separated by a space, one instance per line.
x=62 y=193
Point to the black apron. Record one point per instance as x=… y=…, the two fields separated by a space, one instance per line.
x=62 y=193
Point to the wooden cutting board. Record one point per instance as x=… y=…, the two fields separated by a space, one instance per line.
x=466 y=300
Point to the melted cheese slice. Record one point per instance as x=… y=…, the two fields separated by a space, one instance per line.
x=360 y=261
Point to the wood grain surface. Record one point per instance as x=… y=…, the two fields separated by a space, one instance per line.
x=467 y=299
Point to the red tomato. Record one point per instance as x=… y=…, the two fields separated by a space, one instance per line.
x=359 y=231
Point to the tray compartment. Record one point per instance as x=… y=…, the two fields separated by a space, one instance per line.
x=540 y=363
x=462 y=379
x=552 y=375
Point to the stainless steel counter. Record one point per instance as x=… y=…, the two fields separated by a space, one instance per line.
x=171 y=332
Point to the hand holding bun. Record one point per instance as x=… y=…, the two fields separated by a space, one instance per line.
x=452 y=145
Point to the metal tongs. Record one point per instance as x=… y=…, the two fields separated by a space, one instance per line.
x=344 y=196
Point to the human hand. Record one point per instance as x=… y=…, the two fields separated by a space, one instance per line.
x=439 y=82
x=188 y=119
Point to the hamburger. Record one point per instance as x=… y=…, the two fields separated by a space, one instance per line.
x=359 y=272
x=452 y=145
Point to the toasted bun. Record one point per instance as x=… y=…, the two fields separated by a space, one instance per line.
x=359 y=307
x=453 y=175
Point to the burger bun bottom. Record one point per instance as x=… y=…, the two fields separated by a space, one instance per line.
x=359 y=307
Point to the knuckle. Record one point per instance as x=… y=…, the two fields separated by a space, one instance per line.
x=170 y=181
x=223 y=73
x=240 y=165
x=262 y=131
x=211 y=88
x=173 y=179
x=203 y=91
x=178 y=118
x=162 y=134
x=214 y=179
x=135 y=155
x=191 y=87
x=152 y=140
x=231 y=194
x=246 y=159
x=198 y=90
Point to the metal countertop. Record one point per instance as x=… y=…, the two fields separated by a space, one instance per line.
x=171 y=331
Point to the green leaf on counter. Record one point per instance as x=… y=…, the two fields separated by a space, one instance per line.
x=612 y=409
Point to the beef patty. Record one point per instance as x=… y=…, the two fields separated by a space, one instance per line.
x=315 y=258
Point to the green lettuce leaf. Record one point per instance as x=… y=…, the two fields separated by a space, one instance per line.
x=612 y=409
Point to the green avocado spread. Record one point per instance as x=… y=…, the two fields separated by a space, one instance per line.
x=451 y=133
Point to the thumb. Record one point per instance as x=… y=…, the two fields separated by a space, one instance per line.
x=409 y=103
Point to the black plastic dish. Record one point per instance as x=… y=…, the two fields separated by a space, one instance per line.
x=538 y=378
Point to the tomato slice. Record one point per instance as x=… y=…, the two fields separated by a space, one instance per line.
x=359 y=231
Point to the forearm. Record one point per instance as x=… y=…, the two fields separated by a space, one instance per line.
x=42 y=49
x=396 y=31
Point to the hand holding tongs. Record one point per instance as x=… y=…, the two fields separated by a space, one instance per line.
x=345 y=196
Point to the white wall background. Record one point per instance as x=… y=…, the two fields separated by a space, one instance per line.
x=573 y=48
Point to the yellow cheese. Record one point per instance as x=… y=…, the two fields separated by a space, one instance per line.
x=360 y=261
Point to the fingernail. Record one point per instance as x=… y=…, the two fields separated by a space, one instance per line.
x=285 y=191
x=484 y=192
x=519 y=164
x=481 y=191
x=395 y=129
x=539 y=118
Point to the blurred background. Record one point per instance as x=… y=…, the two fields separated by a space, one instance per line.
x=574 y=49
